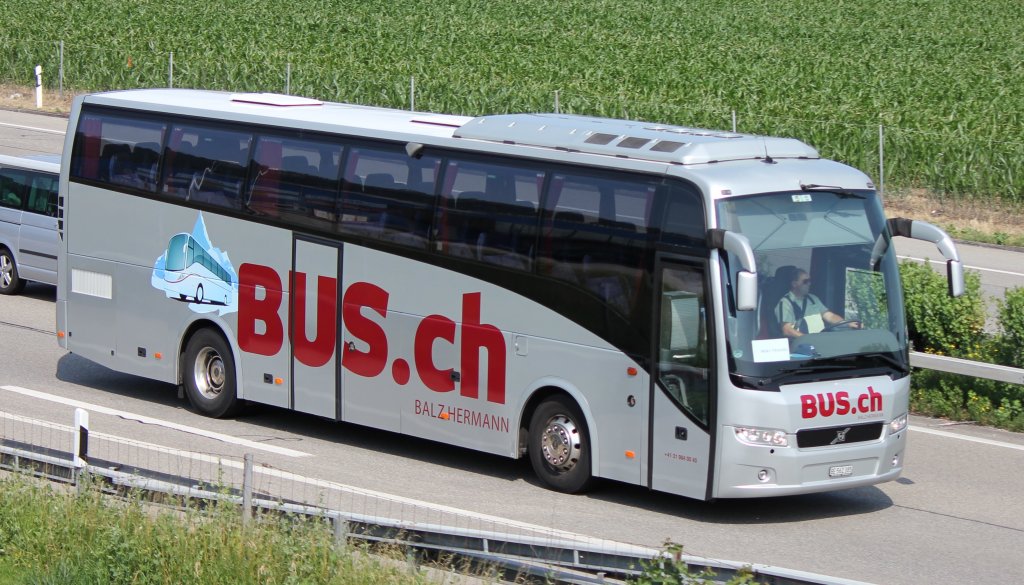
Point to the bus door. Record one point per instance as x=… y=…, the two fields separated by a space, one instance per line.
x=681 y=386
x=316 y=321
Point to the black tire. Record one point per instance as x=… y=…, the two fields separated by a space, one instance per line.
x=559 y=445
x=199 y=294
x=10 y=282
x=209 y=375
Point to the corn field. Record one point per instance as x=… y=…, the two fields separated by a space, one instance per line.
x=944 y=79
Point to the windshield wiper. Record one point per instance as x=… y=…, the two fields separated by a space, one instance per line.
x=899 y=365
x=815 y=368
x=830 y=189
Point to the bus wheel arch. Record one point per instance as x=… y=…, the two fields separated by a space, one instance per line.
x=556 y=436
x=208 y=371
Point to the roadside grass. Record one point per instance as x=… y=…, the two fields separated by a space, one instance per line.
x=104 y=540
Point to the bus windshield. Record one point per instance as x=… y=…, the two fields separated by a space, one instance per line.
x=826 y=306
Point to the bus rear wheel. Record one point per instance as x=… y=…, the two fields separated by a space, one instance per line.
x=559 y=445
x=210 y=375
x=10 y=282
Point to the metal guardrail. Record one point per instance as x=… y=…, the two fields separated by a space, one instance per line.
x=547 y=558
x=953 y=365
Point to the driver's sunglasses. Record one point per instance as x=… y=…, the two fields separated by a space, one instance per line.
x=805 y=281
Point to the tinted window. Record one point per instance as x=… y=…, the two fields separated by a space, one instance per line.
x=119 y=150
x=13 y=188
x=683 y=222
x=42 y=194
x=594 y=233
x=296 y=179
x=388 y=195
x=206 y=165
x=488 y=212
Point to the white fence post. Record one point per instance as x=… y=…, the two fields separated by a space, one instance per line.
x=881 y=160
x=39 y=86
x=60 y=72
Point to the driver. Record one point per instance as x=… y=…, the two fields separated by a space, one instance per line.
x=799 y=312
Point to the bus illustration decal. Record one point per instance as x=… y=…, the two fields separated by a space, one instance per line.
x=194 y=272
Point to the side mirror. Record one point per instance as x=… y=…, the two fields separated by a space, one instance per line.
x=746 y=279
x=922 y=230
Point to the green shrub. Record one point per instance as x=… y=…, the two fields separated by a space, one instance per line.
x=942 y=325
x=938 y=323
x=1011 y=322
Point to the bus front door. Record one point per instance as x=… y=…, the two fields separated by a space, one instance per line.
x=681 y=389
x=314 y=310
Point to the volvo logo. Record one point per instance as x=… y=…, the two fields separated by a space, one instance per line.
x=840 y=436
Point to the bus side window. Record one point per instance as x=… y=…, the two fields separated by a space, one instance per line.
x=388 y=196
x=207 y=165
x=487 y=213
x=683 y=222
x=294 y=178
x=594 y=235
x=118 y=150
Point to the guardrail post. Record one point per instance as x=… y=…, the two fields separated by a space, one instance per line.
x=247 y=490
x=340 y=532
x=80 y=445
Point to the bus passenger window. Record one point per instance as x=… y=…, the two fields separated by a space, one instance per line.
x=207 y=165
x=296 y=180
x=118 y=150
x=594 y=235
x=388 y=196
x=488 y=213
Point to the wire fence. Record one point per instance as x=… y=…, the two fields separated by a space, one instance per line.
x=955 y=161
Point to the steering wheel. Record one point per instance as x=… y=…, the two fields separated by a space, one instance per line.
x=844 y=324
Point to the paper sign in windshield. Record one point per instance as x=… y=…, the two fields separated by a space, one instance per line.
x=770 y=350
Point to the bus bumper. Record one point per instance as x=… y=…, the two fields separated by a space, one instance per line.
x=751 y=471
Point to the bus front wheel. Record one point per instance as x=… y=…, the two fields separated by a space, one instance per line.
x=210 y=375
x=559 y=445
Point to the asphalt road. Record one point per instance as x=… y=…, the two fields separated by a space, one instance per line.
x=956 y=516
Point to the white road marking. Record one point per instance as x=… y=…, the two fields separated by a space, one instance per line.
x=979 y=268
x=156 y=422
x=33 y=128
x=949 y=435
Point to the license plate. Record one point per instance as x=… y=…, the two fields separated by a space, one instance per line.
x=840 y=471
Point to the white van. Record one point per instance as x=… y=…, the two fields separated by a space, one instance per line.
x=28 y=221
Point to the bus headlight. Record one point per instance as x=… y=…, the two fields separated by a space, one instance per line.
x=763 y=437
x=898 y=424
